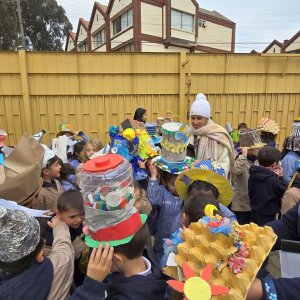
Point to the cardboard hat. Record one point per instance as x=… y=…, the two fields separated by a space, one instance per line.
x=3 y=136
x=160 y=121
x=251 y=139
x=152 y=131
x=268 y=125
x=47 y=156
x=173 y=159
x=22 y=169
x=106 y=183
x=20 y=234
x=207 y=171
x=225 y=254
x=65 y=128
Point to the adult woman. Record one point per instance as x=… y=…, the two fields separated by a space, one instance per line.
x=140 y=115
x=211 y=141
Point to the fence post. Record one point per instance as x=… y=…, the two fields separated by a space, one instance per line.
x=182 y=87
x=25 y=89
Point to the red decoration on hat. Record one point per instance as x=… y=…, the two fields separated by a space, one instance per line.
x=103 y=163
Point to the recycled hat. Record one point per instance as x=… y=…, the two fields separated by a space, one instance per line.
x=106 y=183
x=65 y=128
x=251 y=139
x=205 y=171
x=3 y=135
x=201 y=107
x=20 y=234
x=268 y=125
x=47 y=156
x=174 y=142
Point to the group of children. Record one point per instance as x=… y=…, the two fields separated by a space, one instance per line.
x=48 y=258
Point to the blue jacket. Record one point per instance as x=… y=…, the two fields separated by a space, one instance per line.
x=287 y=228
x=136 y=287
x=169 y=207
x=33 y=283
x=289 y=165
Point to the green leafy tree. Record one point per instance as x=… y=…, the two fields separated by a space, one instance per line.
x=45 y=24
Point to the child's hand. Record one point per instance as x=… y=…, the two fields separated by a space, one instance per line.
x=245 y=151
x=100 y=263
x=152 y=169
x=142 y=163
x=54 y=222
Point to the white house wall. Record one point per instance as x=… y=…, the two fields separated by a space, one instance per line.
x=71 y=45
x=118 y=6
x=184 y=5
x=274 y=47
x=184 y=35
x=99 y=23
x=101 y=49
x=81 y=37
x=215 y=36
x=151 y=17
x=154 y=47
x=295 y=45
x=122 y=38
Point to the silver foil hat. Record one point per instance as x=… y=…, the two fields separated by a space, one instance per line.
x=19 y=234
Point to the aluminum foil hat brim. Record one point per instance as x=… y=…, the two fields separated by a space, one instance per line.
x=184 y=180
x=20 y=234
x=95 y=244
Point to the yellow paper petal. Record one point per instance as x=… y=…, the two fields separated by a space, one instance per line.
x=195 y=287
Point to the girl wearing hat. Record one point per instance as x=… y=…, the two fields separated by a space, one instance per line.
x=210 y=141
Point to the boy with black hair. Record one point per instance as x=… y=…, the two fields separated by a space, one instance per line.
x=134 y=276
x=265 y=186
x=25 y=273
x=71 y=211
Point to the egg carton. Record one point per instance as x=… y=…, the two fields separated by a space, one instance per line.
x=201 y=247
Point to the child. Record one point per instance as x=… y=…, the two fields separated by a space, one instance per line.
x=71 y=211
x=250 y=143
x=133 y=275
x=51 y=188
x=265 y=186
x=67 y=177
x=169 y=204
x=27 y=274
x=142 y=204
x=90 y=148
x=75 y=159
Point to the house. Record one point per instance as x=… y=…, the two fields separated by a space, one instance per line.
x=154 y=26
x=70 y=43
x=288 y=46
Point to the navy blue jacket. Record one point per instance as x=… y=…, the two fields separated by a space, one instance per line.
x=287 y=228
x=136 y=287
x=265 y=191
x=33 y=283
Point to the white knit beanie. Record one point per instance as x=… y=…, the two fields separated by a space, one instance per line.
x=200 y=107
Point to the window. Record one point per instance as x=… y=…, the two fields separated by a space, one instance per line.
x=182 y=21
x=122 y=22
x=99 y=38
x=83 y=47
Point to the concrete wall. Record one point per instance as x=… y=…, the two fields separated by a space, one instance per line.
x=152 y=19
x=215 y=36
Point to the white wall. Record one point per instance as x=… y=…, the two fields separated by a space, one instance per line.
x=274 y=47
x=184 y=35
x=217 y=34
x=154 y=47
x=81 y=36
x=118 y=6
x=101 y=49
x=99 y=23
x=184 y=5
x=120 y=39
x=295 y=45
x=71 y=45
x=151 y=19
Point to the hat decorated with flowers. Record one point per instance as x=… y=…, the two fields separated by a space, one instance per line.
x=208 y=171
x=3 y=136
x=106 y=183
x=65 y=128
x=174 y=142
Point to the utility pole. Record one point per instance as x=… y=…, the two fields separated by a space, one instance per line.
x=21 y=24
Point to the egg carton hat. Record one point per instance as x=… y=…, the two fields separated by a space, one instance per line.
x=227 y=256
x=106 y=183
x=268 y=125
x=207 y=171
x=174 y=142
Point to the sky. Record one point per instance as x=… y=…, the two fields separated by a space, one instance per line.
x=258 y=22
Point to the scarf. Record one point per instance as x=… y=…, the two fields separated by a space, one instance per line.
x=208 y=137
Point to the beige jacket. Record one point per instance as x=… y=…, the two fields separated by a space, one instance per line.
x=240 y=175
x=290 y=198
x=62 y=258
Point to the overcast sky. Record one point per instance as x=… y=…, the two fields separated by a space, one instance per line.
x=258 y=22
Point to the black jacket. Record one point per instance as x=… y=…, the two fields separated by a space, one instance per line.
x=265 y=191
